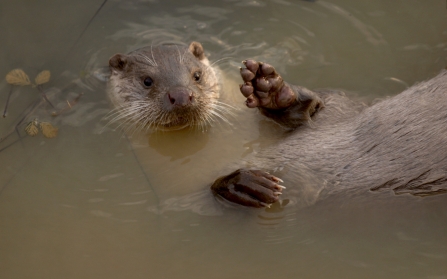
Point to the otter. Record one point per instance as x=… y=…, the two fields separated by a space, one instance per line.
x=328 y=139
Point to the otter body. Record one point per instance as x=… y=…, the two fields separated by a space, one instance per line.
x=398 y=143
x=332 y=143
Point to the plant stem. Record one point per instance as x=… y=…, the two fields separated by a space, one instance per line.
x=42 y=92
x=5 y=112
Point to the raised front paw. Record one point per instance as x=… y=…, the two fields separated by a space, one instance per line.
x=253 y=188
x=263 y=87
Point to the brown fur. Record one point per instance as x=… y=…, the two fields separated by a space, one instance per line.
x=398 y=143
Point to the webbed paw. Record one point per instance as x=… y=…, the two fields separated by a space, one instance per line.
x=253 y=188
x=287 y=104
x=264 y=87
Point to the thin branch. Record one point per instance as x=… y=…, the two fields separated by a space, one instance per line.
x=5 y=112
x=69 y=105
x=31 y=109
x=85 y=28
x=42 y=92
x=142 y=170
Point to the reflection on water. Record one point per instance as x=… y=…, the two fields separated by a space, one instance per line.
x=167 y=144
x=96 y=203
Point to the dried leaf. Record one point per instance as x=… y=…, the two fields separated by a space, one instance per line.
x=17 y=77
x=43 y=77
x=48 y=130
x=31 y=128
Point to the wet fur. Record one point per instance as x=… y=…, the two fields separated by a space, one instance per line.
x=396 y=144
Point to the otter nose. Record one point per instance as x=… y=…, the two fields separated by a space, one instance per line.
x=179 y=97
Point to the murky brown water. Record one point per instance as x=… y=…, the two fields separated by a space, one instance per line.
x=84 y=205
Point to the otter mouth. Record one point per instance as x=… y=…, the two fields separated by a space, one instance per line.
x=168 y=127
x=178 y=124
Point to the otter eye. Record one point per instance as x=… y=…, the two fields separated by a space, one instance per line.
x=197 y=75
x=148 y=82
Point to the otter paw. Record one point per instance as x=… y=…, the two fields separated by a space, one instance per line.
x=253 y=188
x=263 y=87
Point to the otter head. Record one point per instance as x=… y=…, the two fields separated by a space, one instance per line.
x=164 y=87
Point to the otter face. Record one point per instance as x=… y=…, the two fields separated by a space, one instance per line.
x=166 y=87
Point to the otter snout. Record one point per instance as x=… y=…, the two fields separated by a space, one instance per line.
x=178 y=97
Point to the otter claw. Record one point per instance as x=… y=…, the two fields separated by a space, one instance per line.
x=251 y=102
x=280 y=186
x=265 y=204
x=248 y=187
x=277 y=179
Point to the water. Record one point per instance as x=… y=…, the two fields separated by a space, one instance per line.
x=84 y=205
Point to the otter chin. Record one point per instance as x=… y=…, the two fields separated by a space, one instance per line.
x=175 y=125
x=165 y=87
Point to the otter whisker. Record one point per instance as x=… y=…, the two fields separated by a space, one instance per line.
x=180 y=58
x=113 y=113
x=204 y=123
x=153 y=59
x=136 y=120
x=121 y=113
x=220 y=60
x=148 y=60
x=221 y=117
x=226 y=105
x=130 y=113
x=209 y=119
x=223 y=110
x=183 y=56
x=151 y=121
x=200 y=118
x=128 y=123
x=147 y=125
x=116 y=117
x=161 y=119
x=201 y=125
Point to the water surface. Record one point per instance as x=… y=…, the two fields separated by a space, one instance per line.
x=89 y=204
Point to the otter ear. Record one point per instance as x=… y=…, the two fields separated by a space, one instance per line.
x=118 y=62
x=196 y=49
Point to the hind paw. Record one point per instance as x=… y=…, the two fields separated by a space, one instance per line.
x=253 y=188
